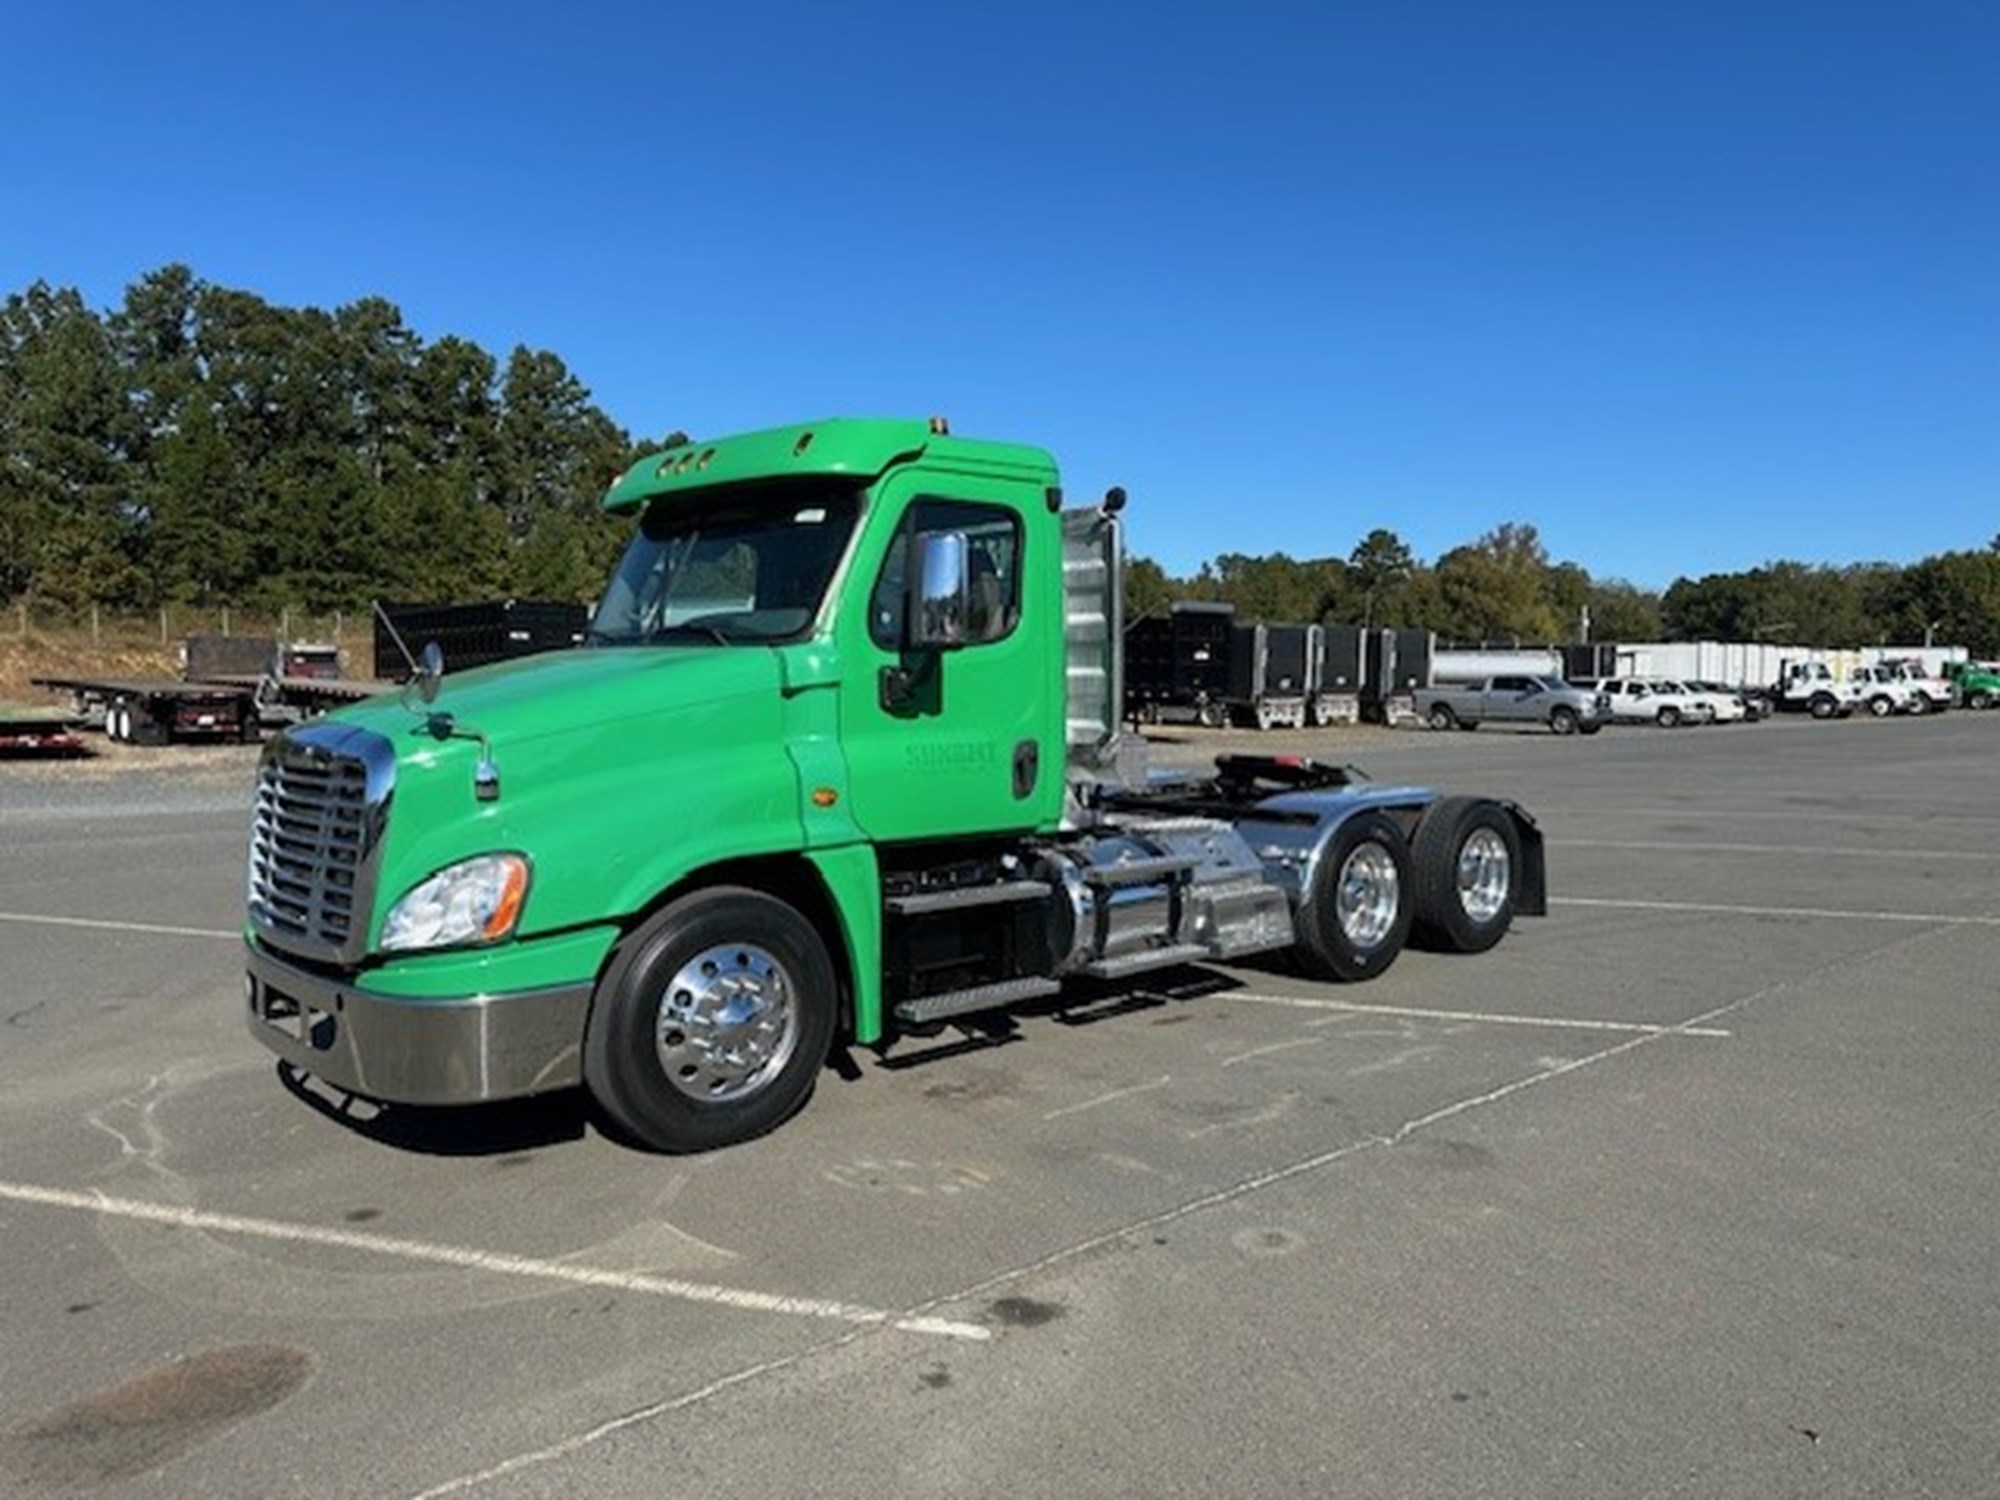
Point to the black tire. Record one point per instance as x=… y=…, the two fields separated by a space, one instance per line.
x=1919 y=704
x=1669 y=716
x=1563 y=720
x=1441 y=716
x=1823 y=706
x=655 y=1073
x=1880 y=707
x=1357 y=913
x=1980 y=700
x=1467 y=870
x=1588 y=728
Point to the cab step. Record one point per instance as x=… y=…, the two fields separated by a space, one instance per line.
x=1147 y=958
x=979 y=997
x=1140 y=871
x=964 y=897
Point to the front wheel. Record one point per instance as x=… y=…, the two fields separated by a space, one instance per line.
x=1356 y=914
x=1563 y=720
x=1880 y=707
x=1979 y=700
x=1467 y=862
x=1669 y=716
x=1823 y=706
x=712 y=1021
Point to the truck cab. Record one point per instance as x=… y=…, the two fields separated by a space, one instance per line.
x=839 y=759
x=1809 y=686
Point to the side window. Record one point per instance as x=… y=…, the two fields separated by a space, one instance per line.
x=993 y=568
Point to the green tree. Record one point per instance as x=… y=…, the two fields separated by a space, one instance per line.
x=69 y=526
x=1496 y=590
x=1377 y=569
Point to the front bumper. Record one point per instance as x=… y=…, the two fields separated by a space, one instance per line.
x=401 y=1050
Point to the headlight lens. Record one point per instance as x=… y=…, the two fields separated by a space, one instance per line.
x=473 y=901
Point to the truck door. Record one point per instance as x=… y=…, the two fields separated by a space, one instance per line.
x=969 y=740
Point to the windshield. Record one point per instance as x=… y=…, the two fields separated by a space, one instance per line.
x=746 y=567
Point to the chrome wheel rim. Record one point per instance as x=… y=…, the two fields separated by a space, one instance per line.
x=1367 y=896
x=728 y=1022
x=1485 y=875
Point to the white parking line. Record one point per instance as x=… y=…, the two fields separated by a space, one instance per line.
x=486 y=1260
x=1477 y=1017
x=32 y=918
x=1930 y=917
x=1137 y=1088
x=1809 y=851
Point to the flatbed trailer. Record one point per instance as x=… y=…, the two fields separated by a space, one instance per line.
x=158 y=711
x=310 y=696
x=38 y=731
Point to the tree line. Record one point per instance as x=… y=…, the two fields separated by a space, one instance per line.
x=1505 y=589
x=200 y=445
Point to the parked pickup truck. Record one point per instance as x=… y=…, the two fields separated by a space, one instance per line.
x=1516 y=700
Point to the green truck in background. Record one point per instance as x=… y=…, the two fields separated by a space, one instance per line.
x=839 y=760
x=1976 y=684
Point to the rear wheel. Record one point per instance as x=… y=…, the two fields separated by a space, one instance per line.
x=711 y=1022
x=1356 y=915
x=1441 y=716
x=1467 y=863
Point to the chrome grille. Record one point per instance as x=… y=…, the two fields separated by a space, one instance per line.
x=322 y=801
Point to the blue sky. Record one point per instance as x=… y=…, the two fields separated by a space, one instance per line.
x=1687 y=286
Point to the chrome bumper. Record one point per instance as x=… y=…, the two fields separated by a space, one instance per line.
x=460 y=1051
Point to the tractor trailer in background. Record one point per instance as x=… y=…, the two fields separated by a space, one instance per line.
x=883 y=787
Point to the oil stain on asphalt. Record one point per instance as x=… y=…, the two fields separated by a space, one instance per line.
x=153 y=1418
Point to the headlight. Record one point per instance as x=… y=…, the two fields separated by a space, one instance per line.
x=473 y=901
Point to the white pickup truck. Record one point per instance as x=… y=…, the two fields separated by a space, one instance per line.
x=1883 y=691
x=1648 y=700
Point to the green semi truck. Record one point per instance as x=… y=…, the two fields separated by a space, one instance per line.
x=1976 y=684
x=838 y=761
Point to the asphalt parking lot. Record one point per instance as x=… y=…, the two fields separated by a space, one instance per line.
x=1687 y=1189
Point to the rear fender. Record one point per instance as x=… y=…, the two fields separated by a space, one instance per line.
x=1533 y=898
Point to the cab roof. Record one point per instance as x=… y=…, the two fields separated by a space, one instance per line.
x=858 y=448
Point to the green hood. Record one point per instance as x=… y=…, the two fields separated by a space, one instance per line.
x=559 y=691
x=618 y=769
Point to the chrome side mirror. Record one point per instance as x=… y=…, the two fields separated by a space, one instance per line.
x=430 y=671
x=939 y=607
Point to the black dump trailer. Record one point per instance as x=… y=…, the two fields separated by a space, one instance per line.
x=1269 y=667
x=472 y=635
x=1396 y=663
x=1589 y=663
x=1177 y=664
x=1336 y=675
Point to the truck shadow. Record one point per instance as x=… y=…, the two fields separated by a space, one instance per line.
x=1083 y=1003
x=497 y=1129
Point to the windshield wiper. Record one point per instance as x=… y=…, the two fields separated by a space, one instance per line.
x=703 y=628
